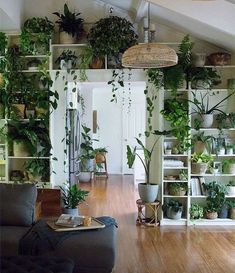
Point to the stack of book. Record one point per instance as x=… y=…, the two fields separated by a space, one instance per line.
x=197 y=186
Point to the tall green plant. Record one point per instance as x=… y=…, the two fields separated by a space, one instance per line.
x=70 y=22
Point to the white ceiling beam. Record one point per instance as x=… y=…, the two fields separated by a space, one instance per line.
x=141 y=10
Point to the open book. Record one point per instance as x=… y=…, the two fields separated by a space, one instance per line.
x=67 y=220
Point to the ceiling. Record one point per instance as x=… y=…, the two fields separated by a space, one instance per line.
x=212 y=21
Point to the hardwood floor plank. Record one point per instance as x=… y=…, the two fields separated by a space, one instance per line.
x=165 y=249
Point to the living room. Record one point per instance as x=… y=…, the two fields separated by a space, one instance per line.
x=131 y=115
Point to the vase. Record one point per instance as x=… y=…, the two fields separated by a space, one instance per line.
x=148 y=192
x=64 y=65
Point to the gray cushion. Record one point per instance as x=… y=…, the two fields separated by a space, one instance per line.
x=9 y=239
x=17 y=203
x=92 y=251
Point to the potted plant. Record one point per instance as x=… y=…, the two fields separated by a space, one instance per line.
x=203 y=109
x=231 y=188
x=147 y=191
x=200 y=162
x=37 y=170
x=229 y=148
x=215 y=199
x=67 y=59
x=202 y=143
x=204 y=78
x=87 y=155
x=35 y=36
x=196 y=211
x=183 y=175
x=111 y=36
x=70 y=25
x=3 y=43
x=228 y=166
x=231 y=205
x=177 y=188
x=72 y=196
x=173 y=209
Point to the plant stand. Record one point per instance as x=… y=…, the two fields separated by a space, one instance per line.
x=141 y=219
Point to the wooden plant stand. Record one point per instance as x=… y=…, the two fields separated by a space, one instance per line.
x=153 y=220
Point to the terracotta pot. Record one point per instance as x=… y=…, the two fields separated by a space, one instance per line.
x=199 y=168
x=18 y=109
x=97 y=63
x=232 y=213
x=211 y=215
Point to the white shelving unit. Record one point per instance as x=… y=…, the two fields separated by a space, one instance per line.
x=226 y=72
x=17 y=162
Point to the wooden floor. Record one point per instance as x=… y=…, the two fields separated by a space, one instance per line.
x=158 y=249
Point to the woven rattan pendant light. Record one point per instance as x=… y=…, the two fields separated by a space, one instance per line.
x=149 y=55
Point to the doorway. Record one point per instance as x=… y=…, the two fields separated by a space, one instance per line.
x=118 y=123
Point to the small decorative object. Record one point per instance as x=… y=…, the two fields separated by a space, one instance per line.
x=219 y=58
x=200 y=59
x=87 y=221
x=231 y=83
x=217 y=167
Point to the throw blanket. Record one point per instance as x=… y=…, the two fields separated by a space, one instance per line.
x=41 y=237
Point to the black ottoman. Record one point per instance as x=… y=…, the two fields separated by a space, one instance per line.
x=37 y=264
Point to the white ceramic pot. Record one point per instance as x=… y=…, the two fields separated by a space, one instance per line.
x=207 y=120
x=229 y=151
x=168 y=151
x=74 y=212
x=231 y=190
x=84 y=176
x=66 y=38
x=148 y=192
x=221 y=151
x=64 y=65
x=170 y=213
x=231 y=168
